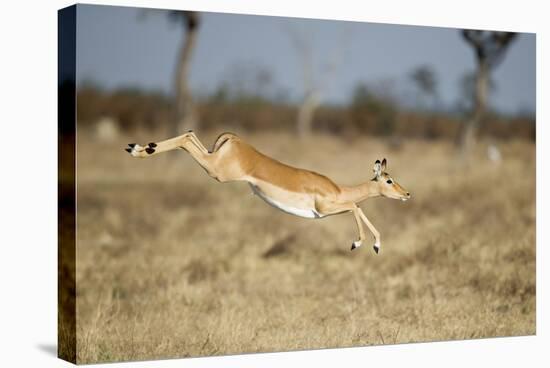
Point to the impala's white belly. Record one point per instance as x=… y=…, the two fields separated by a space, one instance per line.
x=295 y=203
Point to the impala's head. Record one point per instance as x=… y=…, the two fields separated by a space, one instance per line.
x=386 y=185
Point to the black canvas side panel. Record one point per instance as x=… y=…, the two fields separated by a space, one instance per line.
x=66 y=125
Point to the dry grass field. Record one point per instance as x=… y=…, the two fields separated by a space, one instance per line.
x=171 y=263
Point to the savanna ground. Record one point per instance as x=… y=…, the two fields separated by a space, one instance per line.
x=171 y=263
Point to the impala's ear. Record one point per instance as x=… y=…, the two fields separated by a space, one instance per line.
x=383 y=165
x=377 y=168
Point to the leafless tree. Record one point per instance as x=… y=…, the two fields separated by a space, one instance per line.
x=466 y=90
x=313 y=82
x=425 y=80
x=489 y=48
x=186 y=111
x=311 y=99
x=186 y=116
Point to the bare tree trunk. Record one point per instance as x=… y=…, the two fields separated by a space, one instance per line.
x=186 y=113
x=489 y=48
x=306 y=112
x=470 y=127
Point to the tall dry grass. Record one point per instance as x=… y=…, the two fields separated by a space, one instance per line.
x=171 y=263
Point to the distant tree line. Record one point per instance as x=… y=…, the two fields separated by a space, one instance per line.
x=368 y=113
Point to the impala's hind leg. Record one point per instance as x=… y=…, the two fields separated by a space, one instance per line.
x=197 y=142
x=153 y=148
x=188 y=142
x=202 y=156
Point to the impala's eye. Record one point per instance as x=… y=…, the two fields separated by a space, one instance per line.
x=389 y=181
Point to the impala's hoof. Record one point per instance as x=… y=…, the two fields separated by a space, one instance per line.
x=376 y=248
x=355 y=244
x=152 y=144
x=149 y=150
x=136 y=150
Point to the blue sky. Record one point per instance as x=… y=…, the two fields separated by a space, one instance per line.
x=121 y=47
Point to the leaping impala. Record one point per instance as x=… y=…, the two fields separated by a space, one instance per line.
x=296 y=191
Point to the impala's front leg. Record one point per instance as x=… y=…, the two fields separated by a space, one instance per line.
x=333 y=209
x=358 y=243
x=373 y=230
